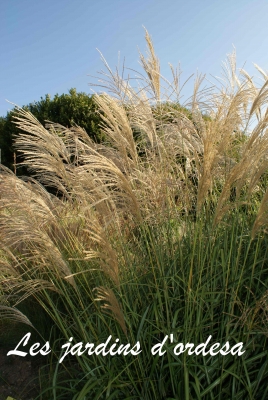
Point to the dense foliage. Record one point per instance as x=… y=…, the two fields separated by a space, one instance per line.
x=66 y=109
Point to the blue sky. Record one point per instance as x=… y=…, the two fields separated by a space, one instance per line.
x=49 y=46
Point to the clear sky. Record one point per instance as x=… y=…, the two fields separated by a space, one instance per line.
x=49 y=46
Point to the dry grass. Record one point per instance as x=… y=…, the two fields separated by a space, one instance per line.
x=101 y=184
x=176 y=165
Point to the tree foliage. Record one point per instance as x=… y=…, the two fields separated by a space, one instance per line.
x=66 y=109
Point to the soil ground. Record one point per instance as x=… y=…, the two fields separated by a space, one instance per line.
x=19 y=376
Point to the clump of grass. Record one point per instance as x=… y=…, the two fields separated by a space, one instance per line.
x=156 y=232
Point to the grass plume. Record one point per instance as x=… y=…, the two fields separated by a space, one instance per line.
x=167 y=219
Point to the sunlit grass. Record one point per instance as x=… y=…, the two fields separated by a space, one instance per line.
x=160 y=231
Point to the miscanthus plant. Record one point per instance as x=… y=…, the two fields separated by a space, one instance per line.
x=156 y=237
